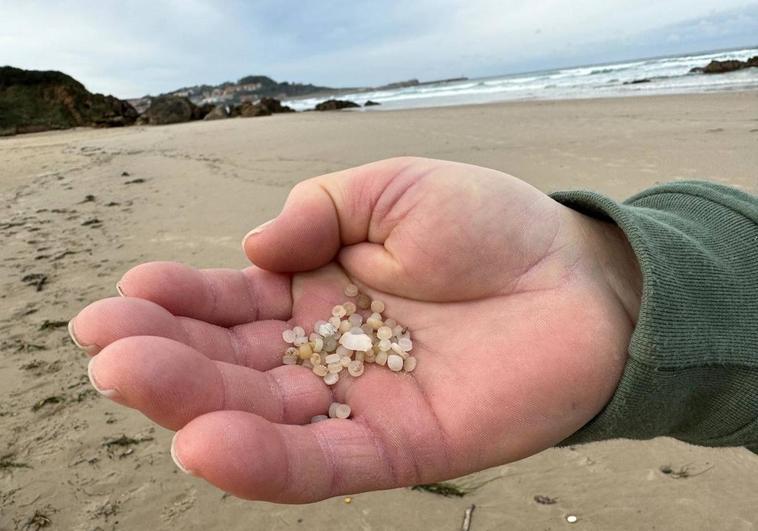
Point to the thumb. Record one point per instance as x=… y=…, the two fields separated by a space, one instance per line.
x=324 y=214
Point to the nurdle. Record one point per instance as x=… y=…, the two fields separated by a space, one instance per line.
x=355 y=334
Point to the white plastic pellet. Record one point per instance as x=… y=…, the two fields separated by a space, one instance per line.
x=350 y=307
x=299 y=331
x=342 y=411
x=288 y=336
x=381 y=357
x=339 y=311
x=395 y=362
x=356 y=341
x=320 y=370
x=318 y=418
x=331 y=378
x=409 y=364
x=333 y=409
x=377 y=306
x=384 y=332
x=332 y=358
x=405 y=344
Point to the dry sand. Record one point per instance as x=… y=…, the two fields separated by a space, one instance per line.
x=193 y=190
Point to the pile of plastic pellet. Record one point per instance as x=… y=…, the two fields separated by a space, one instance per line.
x=345 y=342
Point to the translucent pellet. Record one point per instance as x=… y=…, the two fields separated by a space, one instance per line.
x=356 y=319
x=405 y=344
x=396 y=349
x=316 y=359
x=307 y=364
x=339 y=311
x=409 y=364
x=355 y=368
x=384 y=332
x=331 y=378
x=300 y=340
x=385 y=344
x=360 y=356
x=345 y=326
x=332 y=358
x=391 y=323
x=330 y=344
x=350 y=307
x=343 y=351
x=327 y=329
x=381 y=358
x=351 y=290
x=374 y=322
x=299 y=331
x=334 y=368
x=289 y=360
x=367 y=328
x=363 y=302
x=318 y=418
x=395 y=362
x=333 y=409
x=345 y=361
x=342 y=411
x=335 y=322
x=288 y=336
x=317 y=344
x=377 y=306
x=320 y=370
x=397 y=331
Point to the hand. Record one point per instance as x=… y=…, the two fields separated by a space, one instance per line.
x=520 y=309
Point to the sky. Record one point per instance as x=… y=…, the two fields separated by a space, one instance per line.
x=140 y=47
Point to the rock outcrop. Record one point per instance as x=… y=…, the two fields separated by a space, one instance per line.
x=166 y=110
x=370 y=103
x=335 y=105
x=721 y=67
x=33 y=100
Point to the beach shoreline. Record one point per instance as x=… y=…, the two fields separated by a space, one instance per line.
x=80 y=207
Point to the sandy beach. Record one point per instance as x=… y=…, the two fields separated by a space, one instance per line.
x=80 y=207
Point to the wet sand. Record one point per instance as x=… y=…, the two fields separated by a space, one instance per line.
x=78 y=208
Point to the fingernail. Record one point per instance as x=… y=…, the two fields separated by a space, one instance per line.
x=108 y=393
x=90 y=349
x=260 y=228
x=119 y=289
x=176 y=459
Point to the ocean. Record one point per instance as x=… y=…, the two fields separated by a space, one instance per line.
x=666 y=75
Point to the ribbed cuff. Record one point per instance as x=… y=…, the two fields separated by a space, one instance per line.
x=692 y=371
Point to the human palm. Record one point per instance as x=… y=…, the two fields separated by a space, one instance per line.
x=520 y=311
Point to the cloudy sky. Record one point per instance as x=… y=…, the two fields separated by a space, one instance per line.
x=151 y=46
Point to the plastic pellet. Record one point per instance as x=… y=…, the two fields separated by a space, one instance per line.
x=350 y=307
x=356 y=320
x=355 y=368
x=316 y=359
x=288 y=336
x=299 y=331
x=405 y=344
x=342 y=411
x=332 y=358
x=306 y=351
x=339 y=311
x=351 y=290
x=377 y=306
x=384 y=332
x=363 y=302
x=333 y=409
x=394 y=362
x=409 y=364
x=318 y=418
x=381 y=358
x=331 y=378
x=334 y=368
x=320 y=370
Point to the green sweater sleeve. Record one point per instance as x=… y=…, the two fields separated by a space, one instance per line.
x=692 y=371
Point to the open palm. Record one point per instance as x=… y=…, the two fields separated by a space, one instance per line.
x=520 y=311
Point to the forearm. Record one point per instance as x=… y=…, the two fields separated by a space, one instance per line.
x=692 y=371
